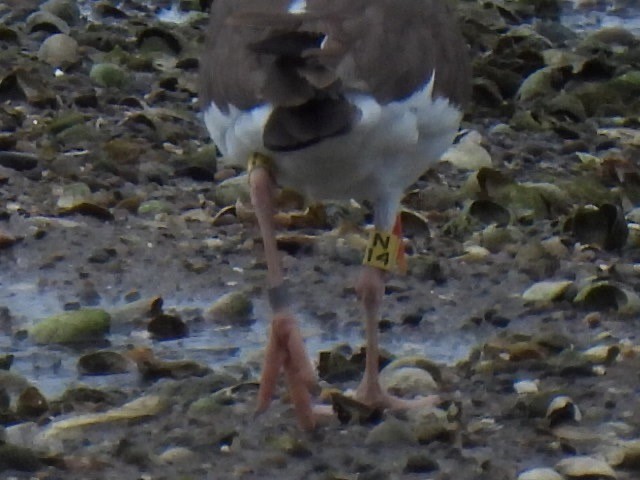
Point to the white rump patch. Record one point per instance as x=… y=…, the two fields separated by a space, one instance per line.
x=388 y=148
x=237 y=133
x=298 y=6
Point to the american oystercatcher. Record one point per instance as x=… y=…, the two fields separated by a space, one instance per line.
x=337 y=99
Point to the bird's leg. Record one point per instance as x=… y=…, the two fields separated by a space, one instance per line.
x=285 y=348
x=370 y=289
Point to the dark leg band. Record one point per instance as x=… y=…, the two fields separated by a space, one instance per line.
x=279 y=297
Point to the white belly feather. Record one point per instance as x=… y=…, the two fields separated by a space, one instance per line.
x=385 y=152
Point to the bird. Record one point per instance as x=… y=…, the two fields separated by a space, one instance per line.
x=341 y=100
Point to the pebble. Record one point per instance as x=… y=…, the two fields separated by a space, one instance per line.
x=540 y=474
x=103 y=363
x=420 y=463
x=391 y=432
x=76 y=326
x=13 y=457
x=108 y=75
x=176 y=455
x=6 y=240
x=409 y=382
x=59 y=50
x=234 y=308
x=18 y=161
x=229 y=191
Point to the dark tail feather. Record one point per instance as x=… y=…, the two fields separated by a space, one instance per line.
x=293 y=128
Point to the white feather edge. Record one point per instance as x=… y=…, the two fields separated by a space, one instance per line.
x=390 y=144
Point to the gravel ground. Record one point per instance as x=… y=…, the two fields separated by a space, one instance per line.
x=111 y=199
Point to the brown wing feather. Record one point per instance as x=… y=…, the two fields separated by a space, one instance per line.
x=304 y=64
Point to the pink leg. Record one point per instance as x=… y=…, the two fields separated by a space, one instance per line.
x=370 y=289
x=285 y=348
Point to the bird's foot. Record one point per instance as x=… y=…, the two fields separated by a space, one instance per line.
x=373 y=395
x=286 y=352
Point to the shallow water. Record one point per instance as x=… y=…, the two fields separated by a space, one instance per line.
x=53 y=369
x=589 y=19
x=173 y=14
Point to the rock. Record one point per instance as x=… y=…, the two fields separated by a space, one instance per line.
x=177 y=455
x=391 y=432
x=562 y=409
x=6 y=240
x=142 y=407
x=430 y=424
x=72 y=195
x=6 y=361
x=65 y=9
x=197 y=264
x=31 y=403
x=22 y=435
x=426 y=267
x=152 y=368
x=200 y=165
x=226 y=391
x=585 y=467
x=468 y=153
x=626 y=455
x=205 y=407
x=525 y=387
x=167 y=327
x=99 y=256
x=290 y=445
x=555 y=247
x=108 y=75
x=18 y=161
x=103 y=363
x=614 y=36
x=91 y=210
x=474 y=254
x=154 y=207
x=350 y=410
x=605 y=354
x=84 y=325
x=133 y=452
x=234 y=308
x=533 y=259
x=22 y=459
x=59 y=50
x=154 y=171
x=420 y=463
x=93 y=399
x=7 y=320
x=66 y=121
x=536 y=85
x=43 y=20
x=13 y=383
x=604 y=226
x=137 y=312
x=566 y=106
x=546 y=292
x=604 y=295
x=408 y=382
x=158 y=41
x=540 y=474
x=488 y=212
x=335 y=366
x=592 y=319
x=496 y=239
x=415 y=361
x=232 y=190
